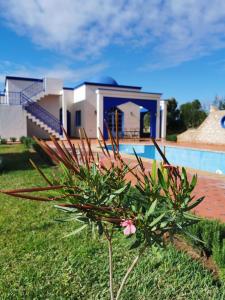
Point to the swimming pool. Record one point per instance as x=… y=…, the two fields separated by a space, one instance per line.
x=205 y=160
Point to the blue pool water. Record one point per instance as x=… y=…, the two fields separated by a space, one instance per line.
x=210 y=161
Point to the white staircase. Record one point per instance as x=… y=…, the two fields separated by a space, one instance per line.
x=29 y=98
x=43 y=126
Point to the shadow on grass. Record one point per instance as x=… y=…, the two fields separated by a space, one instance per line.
x=15 y=161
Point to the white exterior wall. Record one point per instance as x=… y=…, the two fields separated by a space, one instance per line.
x=53 y=86
x=69 y=100
x=14 y=85
x=131 y=116
x=52 y=104
x=85 y=99
x=163 y=106
x=12 y=121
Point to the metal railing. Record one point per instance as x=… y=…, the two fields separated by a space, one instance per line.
x=3 y=99
x=33 y=89
x=40 y=113
x=14 y=98
x=24 y=98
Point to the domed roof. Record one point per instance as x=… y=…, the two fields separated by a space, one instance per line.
x=104 y=80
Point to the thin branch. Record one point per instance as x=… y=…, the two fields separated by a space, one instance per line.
x=109 y=239
x=129 y=270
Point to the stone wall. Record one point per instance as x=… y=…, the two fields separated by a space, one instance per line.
x=209 y=132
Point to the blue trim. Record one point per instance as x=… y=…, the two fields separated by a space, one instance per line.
x=78 y=118
x=150 y=105
x=23 y=78
x=109 y=85
x=125 y=91
x=223 y=122
x=68 y=88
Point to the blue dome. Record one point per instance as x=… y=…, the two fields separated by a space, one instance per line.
x=104 y=80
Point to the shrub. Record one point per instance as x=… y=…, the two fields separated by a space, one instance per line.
x=3 y=141
x=212 y=235
x=95 y=193
x=2 y=164
x=22 y=138
x=13 y=139
x=171 y=137
x=27 y=141
x=42 y=153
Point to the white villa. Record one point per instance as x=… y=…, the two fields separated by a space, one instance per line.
x=39 y=107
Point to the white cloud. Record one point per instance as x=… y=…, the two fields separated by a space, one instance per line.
x=171 y=31
x=67 y=73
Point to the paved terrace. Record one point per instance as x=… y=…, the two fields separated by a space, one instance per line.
x=210 y=185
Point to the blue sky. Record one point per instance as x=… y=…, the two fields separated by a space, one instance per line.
x=176 y=47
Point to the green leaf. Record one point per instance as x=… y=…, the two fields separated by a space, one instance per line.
x=162 y=180
x=193 y=182
x=123 y=189
x=78 y=230
x=151 y=209
x=136 y=244
x=192 y=217
x=156 y=221
x=66 y=209
x=154 y=169
x=193 y=237
x=184 y=174
x=197 y=202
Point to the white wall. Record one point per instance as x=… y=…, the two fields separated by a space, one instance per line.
x=52 y=104
x=80 y=93
x=12 y=121
x=69 y=99
x=85 y=100
x=14 y=85
x=131 y=116
x=53 y=86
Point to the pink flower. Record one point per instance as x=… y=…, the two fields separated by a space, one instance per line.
x=130 y=228
x=101 y=164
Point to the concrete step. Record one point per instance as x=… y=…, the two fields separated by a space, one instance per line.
x=43 y=125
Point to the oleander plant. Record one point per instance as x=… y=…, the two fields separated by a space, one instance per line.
x=93 y=188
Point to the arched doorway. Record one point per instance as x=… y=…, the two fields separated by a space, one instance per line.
x=68 y=121
x=111 y=121
x=145 y=123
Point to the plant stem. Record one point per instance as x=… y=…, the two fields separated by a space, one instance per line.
x=110 y=270
x=109 y=239
x=129 y=270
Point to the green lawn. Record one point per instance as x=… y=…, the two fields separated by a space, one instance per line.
x=36 y=262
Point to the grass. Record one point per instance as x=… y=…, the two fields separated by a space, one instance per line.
x=38 y=263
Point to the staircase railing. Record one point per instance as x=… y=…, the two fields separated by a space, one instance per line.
x=3 y=99
x=34 y=89
x=40 y=113
x=24 y=98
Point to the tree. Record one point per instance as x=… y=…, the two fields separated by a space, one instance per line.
x=219 y=102
x=174 y=123
x=192 y=114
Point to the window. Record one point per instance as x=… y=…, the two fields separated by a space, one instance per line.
x=78 y=118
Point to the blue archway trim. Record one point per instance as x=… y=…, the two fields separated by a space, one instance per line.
x=150 y=105
x=223 y=122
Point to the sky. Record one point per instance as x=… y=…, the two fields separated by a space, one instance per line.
x=176 y=47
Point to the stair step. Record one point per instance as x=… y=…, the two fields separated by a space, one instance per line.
x=43 y=125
